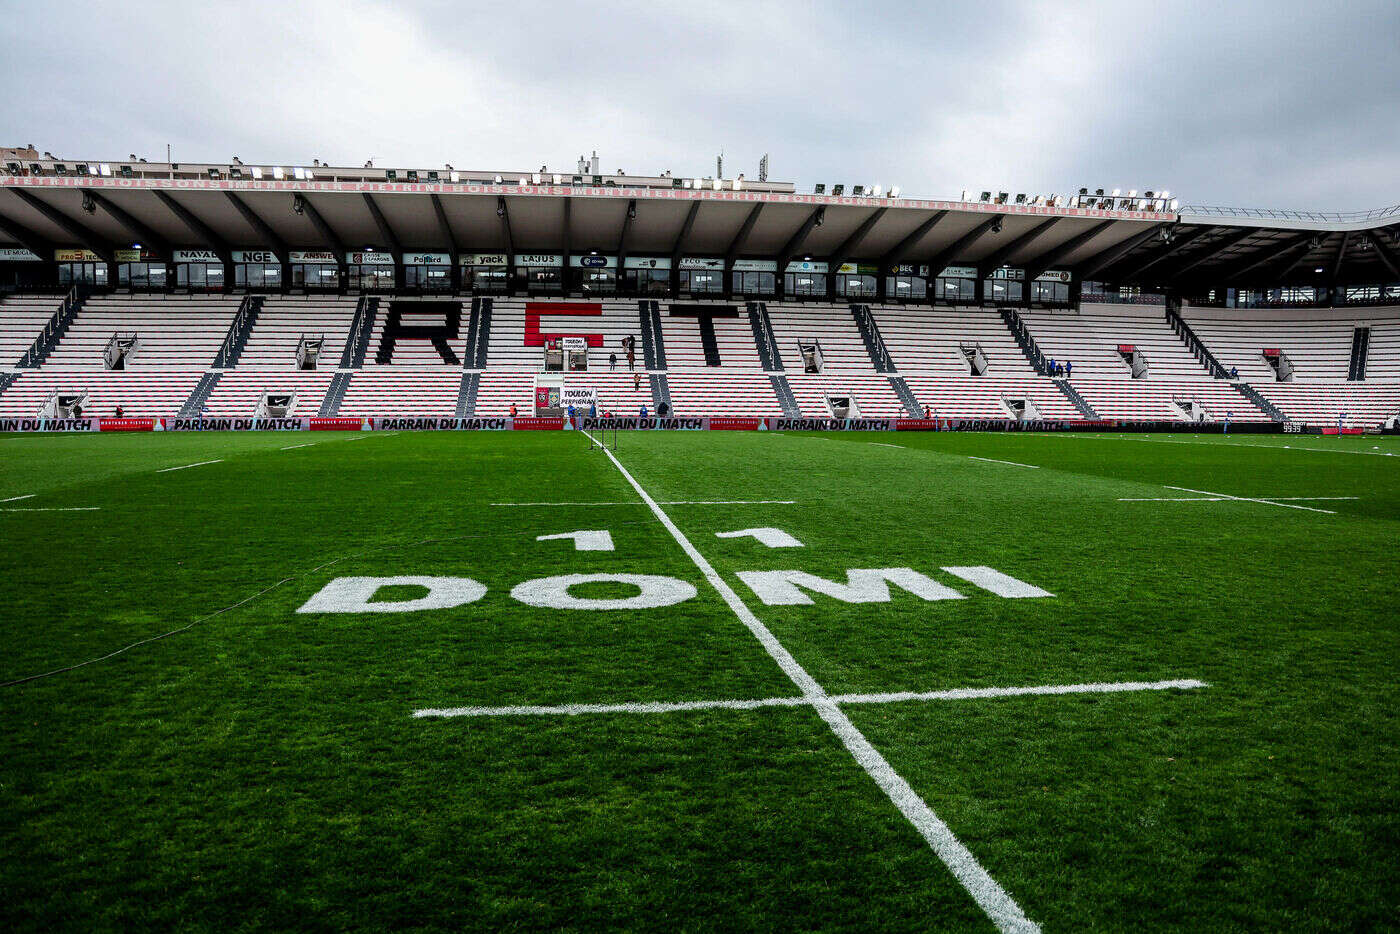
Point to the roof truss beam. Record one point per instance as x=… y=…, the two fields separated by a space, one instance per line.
x=385 y=231
x=260 y=227
x=853 y=242
x=1166 y=251
x=1038 y=265
x=1384 y=253
x=1213 y=250
x=27 y=238
x=941 y=259
x=327 y=232
x=444 y=228
x=77 y=231
x=742 y=236
x=1101 y=260
x=196 y=226
x=795 y=242
x=1008 y=250
x=503 y=212
x=685 y=231
x=902 y=248
x=142 y=234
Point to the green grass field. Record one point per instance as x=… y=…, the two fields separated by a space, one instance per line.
x=263 y=768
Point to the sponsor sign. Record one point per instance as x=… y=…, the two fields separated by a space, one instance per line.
x=371 y=258
x=311 y=256
x=1014 y=275
x=645 y=424
x=916 y=424
x=593 y=262
x=537 y=424
x=136 y=256
x=573 y=343
x=17 y=255
x=539 y=259
x=76 y=256
x=197 y=256
x=427 y=259
x=908 y=269
x=958 y=272
x=233 y=424
x=736 y=424
x=407 y=423
x=807 y=266
x=830 y=424
x=338 y=424
x=578 y=396
x=701 y=262
x=647 y=262
x=1053 y=275
x=755 y=265
x=1272 y=352
x=483 y=259
x=857 y=269
x=126 y=424
x=546 y=397
x=266 y=257
x=1130 y=348
x=48 y=424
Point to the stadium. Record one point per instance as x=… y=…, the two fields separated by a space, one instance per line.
x=430 y=548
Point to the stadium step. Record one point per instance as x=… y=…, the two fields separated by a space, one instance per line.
x=874 y=343
x=335 y=395
x=1360 y=344
x=1264 y=405
x=478 y=334
x=783 y=391
x=466 y=394
x=764 y=339
x=53 y=332
x=366 y=309
x=653 y=345
x=238 y=330
x=906 y=397
x=6 y=380
x=1024 y=340
x=660 y=393
x=198 y=396
x=1080 y=403
x=1192 y=342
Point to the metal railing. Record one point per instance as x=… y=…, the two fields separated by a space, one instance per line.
x=41 y=343
x=1336 y=217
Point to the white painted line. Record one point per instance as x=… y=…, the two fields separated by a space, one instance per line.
x=293 y=447
x=1072 y=436
x=1248 y=499
x=1218 y=499
x=13 y=499
x=188 y=466
x=52 y=509
x=989 y=895
x=588 y=540
x=1284 y=498
x=690 y=502
x=888 y=697
x=881 y=444
x=993 y=460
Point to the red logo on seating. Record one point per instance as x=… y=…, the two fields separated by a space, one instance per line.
x=534 y=337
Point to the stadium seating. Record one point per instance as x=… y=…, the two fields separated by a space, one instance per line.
x=22 y=318
x=179 y=338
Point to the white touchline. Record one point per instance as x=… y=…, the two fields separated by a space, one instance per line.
x=187 y=466
x=885 y=697
x=993 y=460
x=51 y=509
x=17 y=498
x=989 y=895
x=1218 y=499
x=293 y=447
x=1250 y=499
x=881 y=444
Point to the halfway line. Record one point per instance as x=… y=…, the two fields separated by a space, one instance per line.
x=573 y=710
x=999 y=906
x=187 y=466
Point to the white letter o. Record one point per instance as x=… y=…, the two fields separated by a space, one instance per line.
x=553 y=592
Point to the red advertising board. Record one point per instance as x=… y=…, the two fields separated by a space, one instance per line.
x=537 y=424
x=916 y=424
x=336 y=424
x=735 y=424
x=126 y=424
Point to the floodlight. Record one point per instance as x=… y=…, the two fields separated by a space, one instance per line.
x=299 y=173
x=1174 y=204
x=738 y=184
x=1166 y=194
x=858 y=191
x=257 y=173
x=535 y=178
x=838 y=190
x=875 y=192
x=277 y=172
x=105 y=168
x=1318 y=269
x=557 y=179
x=1020 y=197
x=819 y=188
x=455 y=176
x=985 y=196
x=1116 y=192
x=718 y=182
x=894 y=192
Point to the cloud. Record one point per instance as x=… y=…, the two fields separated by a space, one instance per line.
x=1251 y=102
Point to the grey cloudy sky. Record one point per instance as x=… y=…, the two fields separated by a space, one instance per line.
x=1267 y=103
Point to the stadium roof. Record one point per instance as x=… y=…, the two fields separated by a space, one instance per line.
x=223 y=208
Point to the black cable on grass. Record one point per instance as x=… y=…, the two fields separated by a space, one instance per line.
x=266 y=590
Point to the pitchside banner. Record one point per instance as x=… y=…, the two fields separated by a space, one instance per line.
x=644 y=424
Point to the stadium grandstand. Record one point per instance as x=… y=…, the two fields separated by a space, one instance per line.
x=245 y=290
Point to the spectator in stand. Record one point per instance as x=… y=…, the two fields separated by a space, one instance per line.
x=1052 y=366
x=636 y=382
x=571 y=414
x=663 y=410
x=77 y=411
x=612 y=361
x=513 y=410
x=1227 y=422
x=118 y=412
x=644 y=410
x=1069 y=368
x=1234 y=372
x=592 y=410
